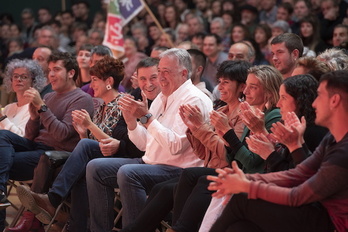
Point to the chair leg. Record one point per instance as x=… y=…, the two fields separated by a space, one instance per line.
x=118 y=209
x=13 y=185
x=48 y=227
x=18 y=216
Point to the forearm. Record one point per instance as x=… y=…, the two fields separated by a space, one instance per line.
x=17 y=128
x=209 y=139
x=97 y=132
x=174 y=139
x=58 y=129
x=32 y=129
x=277 y=162
x=138 y=136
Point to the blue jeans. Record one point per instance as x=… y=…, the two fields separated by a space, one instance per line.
x=72 y=178
x=101 y=177
x=18 y=159
x=134 y=179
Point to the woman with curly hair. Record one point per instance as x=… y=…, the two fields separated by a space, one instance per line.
x=297 y=94
x=20 y=75
x=96 y=135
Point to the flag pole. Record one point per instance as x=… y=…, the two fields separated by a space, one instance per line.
x=63 y=5
x=156 y=21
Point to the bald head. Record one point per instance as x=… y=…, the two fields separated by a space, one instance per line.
x=241 y=51
x=41 y=55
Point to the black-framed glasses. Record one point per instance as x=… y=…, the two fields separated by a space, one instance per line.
x=23 y=77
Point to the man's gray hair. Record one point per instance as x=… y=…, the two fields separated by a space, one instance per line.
x=335 y=58
x=251 y=51
x=218 y=20
x=182 y=56
x=100 y=33
x=102 y=50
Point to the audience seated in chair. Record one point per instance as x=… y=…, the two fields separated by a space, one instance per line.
x=314 y=194
x=108 y=128
x=50 y=125
x=20 y=76
x=162 y=135
x=261 y=91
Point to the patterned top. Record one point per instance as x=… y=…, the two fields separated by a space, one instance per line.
x=111 y=117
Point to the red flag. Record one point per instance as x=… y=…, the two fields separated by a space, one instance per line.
x=120 y=12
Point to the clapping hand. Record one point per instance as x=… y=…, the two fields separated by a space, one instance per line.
x=81 y=121
x=261 y=145
x=134 y=80
x=290 y=134
x=191 y=116
x=253 y=118
x=220 y=122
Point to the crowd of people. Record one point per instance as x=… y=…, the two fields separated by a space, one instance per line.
x=231 y=118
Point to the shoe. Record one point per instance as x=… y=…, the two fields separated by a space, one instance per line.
x=28 y=222
x=39 y=204
x=4 y=203
x=170 y=230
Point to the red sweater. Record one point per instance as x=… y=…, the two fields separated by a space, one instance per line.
x=322 y=177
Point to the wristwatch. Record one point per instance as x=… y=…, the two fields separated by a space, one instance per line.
x=3 y=117
x=43 y=108
x=144 y=119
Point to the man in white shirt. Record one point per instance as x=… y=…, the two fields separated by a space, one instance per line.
x=161 y=134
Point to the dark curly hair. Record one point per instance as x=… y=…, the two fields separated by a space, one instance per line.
x=69 y=62
x=303 y=88
x=106 y=67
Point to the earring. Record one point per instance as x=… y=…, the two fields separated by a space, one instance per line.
x=108 y=87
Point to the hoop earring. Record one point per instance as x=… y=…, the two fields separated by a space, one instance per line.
x=108 y=87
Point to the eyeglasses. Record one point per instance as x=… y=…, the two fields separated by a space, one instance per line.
x=23 y=77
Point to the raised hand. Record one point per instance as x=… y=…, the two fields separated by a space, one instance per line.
x=136 y=108
x=287 y=136
x=220 y=122
x=81 y=130
x=292 y=121
x=261 y=145
x=134 y=80
x=33 y=97
x=254 y=119
x=82 y=118
x=191 y=116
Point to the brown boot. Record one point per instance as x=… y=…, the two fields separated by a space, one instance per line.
x=39 y=204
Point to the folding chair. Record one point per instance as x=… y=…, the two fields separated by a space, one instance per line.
x=118 y=209
x=12 y=185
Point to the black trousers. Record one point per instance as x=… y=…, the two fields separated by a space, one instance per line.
x=192 y=199
x=158 y=205
x=245 y=215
